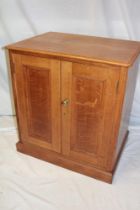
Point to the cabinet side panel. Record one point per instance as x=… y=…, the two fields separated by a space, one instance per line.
x=12 y=75
x=123 y=109
x=127 y=106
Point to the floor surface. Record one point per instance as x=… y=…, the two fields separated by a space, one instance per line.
x=27 y=183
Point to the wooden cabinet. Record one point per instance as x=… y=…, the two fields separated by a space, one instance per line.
x=73 y=97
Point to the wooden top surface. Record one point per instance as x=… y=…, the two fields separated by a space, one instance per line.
x=98 y=49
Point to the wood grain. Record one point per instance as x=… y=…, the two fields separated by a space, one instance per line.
x=37 y=80
x=60 y=160
x=91 y=90
x=80 y=47
x=38 y=92
x=66 y=86
x=123 y=107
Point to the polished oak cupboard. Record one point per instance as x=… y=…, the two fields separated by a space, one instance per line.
x=73 y=96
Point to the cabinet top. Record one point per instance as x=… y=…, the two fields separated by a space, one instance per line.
x=81 y=47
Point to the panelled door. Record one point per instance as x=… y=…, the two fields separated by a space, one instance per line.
x=88 y=94
x=37 y=86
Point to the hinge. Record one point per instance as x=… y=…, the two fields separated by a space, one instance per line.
x=117 y=86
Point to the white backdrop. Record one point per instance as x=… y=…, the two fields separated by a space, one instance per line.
x=27 y=183
x=20 y=19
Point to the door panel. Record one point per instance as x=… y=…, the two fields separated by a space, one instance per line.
x=37 y=82
x=38 y=94
x=87 y=118
x=88 y=98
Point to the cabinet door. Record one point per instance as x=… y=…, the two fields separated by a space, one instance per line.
x=37 y=91
x=88 y=100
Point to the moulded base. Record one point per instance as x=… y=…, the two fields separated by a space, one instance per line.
x=62 y=161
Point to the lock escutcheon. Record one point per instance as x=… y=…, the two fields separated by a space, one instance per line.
x=65 y=102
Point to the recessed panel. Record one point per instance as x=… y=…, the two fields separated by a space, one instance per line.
x=38 y=102
x=87 y=114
